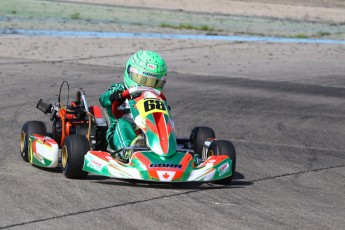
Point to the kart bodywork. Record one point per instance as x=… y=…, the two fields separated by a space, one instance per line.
x=158 y=157
x=43 y=151
x=147 y=166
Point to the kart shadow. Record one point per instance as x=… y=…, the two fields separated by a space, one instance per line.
x=237 y=182
x=51 y=170
x=58 y=170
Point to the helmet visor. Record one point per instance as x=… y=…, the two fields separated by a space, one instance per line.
x=148 y=81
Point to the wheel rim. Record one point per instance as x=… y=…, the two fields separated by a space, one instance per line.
x=64 y=156
x=210 y=153
x=22 y=142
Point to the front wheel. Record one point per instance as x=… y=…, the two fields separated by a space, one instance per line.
x=30 y=128
x=72 y=154
x=223 y=147
x=198 y=137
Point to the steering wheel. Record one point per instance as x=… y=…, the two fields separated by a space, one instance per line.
x=140 y=89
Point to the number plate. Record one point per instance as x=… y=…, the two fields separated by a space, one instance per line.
x=149 y=105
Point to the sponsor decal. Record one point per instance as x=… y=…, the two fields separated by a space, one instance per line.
x=133 y=70
x=152 y=66
x=223 y=169
x=39 y=157
x=165 y=166
x=165 y=175
x=146 y=88
x=95 y=165
x=150 y=74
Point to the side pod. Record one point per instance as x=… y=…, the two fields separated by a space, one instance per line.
x=43 y=151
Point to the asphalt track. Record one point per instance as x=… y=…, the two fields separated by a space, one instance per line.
x=288 y=131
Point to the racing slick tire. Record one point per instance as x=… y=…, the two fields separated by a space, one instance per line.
x=198 y=137
x=72 y=156
x=223 y=147
x=29 y=128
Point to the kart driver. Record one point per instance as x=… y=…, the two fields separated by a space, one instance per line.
x=144 y=68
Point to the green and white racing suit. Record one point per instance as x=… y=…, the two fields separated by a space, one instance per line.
x=120 y=133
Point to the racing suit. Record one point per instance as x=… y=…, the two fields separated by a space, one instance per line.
x=121 y=131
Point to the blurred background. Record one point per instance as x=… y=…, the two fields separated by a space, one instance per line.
x=279 y=18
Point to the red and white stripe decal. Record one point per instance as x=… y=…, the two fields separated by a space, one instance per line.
x=146 y=162
x=184 y=162
x=162 y=131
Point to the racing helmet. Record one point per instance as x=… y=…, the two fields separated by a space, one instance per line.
x=145 y=68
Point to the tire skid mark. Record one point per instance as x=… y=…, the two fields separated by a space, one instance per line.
x=328 y=90
x=105 y=56
x=20 y=105
x=166 y=197
x=101 y=209
x=290 y=146
x=297 y=173
x=204 y=202
x=17 y=113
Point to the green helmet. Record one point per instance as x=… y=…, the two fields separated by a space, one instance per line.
x=145 y=68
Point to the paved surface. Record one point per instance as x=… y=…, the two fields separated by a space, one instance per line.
x=309 y=10
x=281 y=104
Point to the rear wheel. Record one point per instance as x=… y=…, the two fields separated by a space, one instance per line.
x=223 y=147
x=30 y=128
x=72 y=154
x=198 y=137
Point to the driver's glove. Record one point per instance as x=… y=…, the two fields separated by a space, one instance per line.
x=116 y=96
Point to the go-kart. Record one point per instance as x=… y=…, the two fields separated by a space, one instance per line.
x=155 y=156
x=69 y=121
